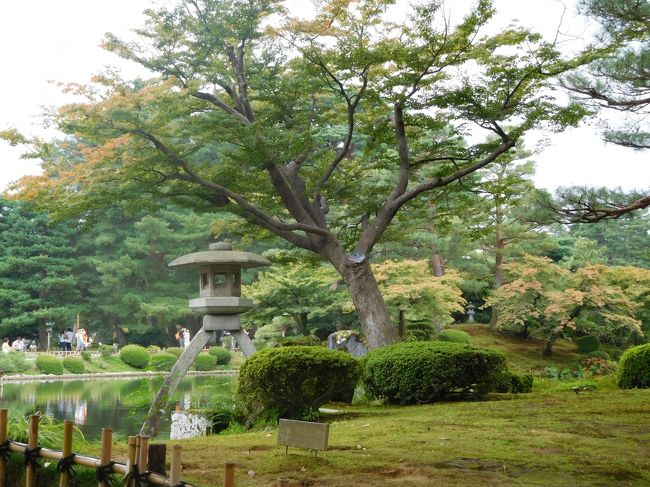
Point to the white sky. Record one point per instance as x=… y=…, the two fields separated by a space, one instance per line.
x=45 y=40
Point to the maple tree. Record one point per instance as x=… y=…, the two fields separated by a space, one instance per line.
x=291 y=124
x=551 y=301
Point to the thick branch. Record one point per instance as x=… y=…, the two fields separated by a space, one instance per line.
x=224 y=106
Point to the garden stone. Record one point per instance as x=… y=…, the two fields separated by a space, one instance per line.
x=347 y=341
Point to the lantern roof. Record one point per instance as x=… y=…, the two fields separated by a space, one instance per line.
x=220 y=253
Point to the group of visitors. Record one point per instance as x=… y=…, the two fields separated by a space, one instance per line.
x=68 y=339
x=183 y=337
x=19 y=345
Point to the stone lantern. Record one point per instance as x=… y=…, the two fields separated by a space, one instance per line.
x=220 y=303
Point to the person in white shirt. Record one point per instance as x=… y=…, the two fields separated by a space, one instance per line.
x=186 y=338
x=6 y=348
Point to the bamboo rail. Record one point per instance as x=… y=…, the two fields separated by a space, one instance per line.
x=137 y=456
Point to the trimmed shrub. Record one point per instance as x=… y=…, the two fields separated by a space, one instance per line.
x=175 y=351
x=153 y=349
x=599 y=354
x=634 y=368
x=74 y=365
x=105 y=350
x=221 y=355
x=587 y=343
x=13 y=362
x=455 y=336
x=49 y=364
x=85 y=355
x=294 y=381
x=135 y=356
x=298 y=341
x=511 y=382
x=204 y=361
x=411 y=372
x=163 y=361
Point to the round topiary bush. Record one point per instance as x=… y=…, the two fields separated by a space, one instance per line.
x=105 y=350
x=292 y=381
x=162 y=361
x=204 y=361
x=298 y=341
x=512 y=382
x=634 y=368
x=410 y=372
x=49 y=364
x=13 y=362
x=85 y=355
x=176 y=351
x=587 y=344
x=135 y=356
x=153 y=349
x=455 y=336
x=74 y=364
x=221 y=355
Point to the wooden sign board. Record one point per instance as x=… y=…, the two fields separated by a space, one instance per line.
x=303 y=434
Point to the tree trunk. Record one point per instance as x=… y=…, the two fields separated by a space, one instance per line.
x=369 y=304
x=548 y=346
x=301 y=323
x=498 y=264
x=42 y=335
x=437 y=266
x=401 y=324
x=120 y=337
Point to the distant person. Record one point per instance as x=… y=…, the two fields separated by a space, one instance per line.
x=186 y=338
x=81 y=339
x=69 y=338
x=6 y=347
x=62 y=341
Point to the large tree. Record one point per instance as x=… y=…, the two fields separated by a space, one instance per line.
x=319 y=131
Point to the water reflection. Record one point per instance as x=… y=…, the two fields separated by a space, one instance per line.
x=119 y=404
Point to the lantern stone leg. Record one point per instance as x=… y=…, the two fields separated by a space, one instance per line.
x=173 y=379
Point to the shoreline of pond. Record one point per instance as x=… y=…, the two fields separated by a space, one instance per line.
x=22 y=378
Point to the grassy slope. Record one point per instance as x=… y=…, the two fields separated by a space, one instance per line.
x=547 y=438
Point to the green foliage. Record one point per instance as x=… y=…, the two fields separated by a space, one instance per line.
x=13 y=362
x=593 y=366
x=587 y=344
x=306 y=341
x=291 y=381
x=86 y=355
x=456 y=336
x=634 y=368
x=153 y=349
x=49 y=364
x=204 y=361
x=74 y=364
x=221 y=355
x=411 y=372
x=162 y=361
x=599 y=354
x=135 y=356
x=176 y=351
x=511 y=382
x=105 y=350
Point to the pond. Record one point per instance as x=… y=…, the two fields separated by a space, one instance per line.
x=111 y=403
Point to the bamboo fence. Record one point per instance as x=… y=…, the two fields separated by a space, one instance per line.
x=132 y=471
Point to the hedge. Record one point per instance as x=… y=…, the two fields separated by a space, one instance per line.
x=587 y=344
x=221 y=355
x=634 y=368
x=411 y=372
x=204 y=361
x=49 y=364
x=135 y=356
x=162 y=361
x=176 y=351
x=455 y=336
x=295 y=381
x=74 y=364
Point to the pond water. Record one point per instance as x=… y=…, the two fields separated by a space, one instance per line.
x=111 y=403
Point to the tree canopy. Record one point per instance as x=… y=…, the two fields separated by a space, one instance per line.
x=319 y=130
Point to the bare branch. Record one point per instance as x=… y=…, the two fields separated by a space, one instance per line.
x=224 y=106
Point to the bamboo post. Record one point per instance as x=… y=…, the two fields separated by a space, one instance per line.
x=68 y=426
x=3 y=438
x=229 y=477
x=137 y=450
x=107 y=440
x=131 y=458
x=144 y=450
x=283 y=482
x=175 y=468
x=32 y=443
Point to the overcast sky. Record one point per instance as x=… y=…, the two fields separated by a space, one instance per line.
x=45 y=41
